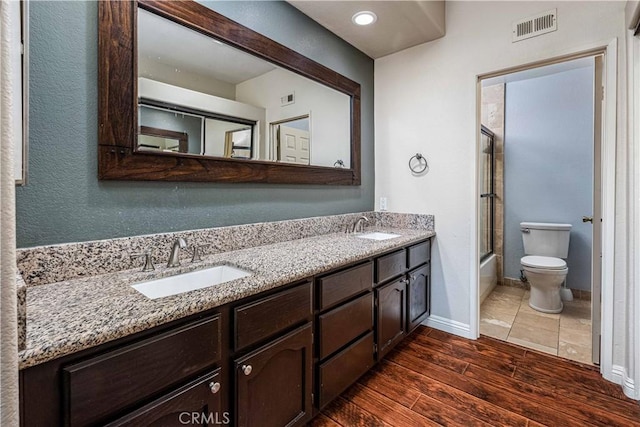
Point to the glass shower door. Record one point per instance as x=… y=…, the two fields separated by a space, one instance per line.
x=487 y=193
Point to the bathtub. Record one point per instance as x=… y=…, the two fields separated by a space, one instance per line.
x=488 y=276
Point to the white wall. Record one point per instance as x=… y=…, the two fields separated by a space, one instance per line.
x=426 y=102
x=330 y=111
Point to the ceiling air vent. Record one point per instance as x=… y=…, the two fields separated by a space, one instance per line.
x=536 y=25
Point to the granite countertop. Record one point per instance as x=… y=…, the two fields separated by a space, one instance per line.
x=69 y=316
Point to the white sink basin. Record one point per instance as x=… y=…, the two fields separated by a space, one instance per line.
x=191 y=281
x=378 y=236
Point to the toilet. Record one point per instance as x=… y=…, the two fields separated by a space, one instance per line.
x=545 y=246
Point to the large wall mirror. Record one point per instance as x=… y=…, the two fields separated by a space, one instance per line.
x=189 y=95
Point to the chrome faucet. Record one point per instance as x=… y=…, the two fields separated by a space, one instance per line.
x=358 y=225
x=174 y=258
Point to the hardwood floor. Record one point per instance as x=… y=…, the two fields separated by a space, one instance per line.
x=433 y=378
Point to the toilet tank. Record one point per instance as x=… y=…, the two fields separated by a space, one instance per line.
x=545 y=239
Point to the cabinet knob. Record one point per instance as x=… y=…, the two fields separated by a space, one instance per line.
x=214 y=387
x=404 y=281
x=246 y=369
x=413 y=277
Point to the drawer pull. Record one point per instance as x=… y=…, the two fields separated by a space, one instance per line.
x=246 y=369
x=214 y=387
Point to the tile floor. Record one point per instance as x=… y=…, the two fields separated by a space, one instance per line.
x=505 y=314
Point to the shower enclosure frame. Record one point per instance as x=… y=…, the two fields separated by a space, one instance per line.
x=490 y=194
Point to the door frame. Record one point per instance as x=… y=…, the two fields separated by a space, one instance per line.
x=608 y=167
x=596 y=261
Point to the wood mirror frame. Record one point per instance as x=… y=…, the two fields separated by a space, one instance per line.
x=118 y=100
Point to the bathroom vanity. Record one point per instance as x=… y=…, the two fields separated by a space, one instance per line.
x=275 y=352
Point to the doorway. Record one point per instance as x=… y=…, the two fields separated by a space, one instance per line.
x=545 y=122
x=291 y=140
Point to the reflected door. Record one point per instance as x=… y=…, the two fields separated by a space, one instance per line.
x=293 y=145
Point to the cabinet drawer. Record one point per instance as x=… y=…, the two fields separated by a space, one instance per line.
x=343 y=369
x=187 y=405
x=345 y=323
x=390 y=266
x=268 y=316
x=419 y=254
x=100 y=386
x=340 y=286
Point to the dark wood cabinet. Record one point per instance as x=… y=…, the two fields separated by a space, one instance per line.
x=391 y=266
x=343 y=324
x=274 y=382
x=267 y=317
x=197 y=403
x=418 y=296
x=344 y=284
x=418 y=254
x=255 y=362
x=337 y=373
x=99 y=387
x=418 y=284
x=345 y=343
x=390 y=315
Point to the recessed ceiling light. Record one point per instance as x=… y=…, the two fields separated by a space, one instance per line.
x=364 y=18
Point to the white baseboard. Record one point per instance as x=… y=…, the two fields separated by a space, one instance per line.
x=447 y=325
x=619 y=376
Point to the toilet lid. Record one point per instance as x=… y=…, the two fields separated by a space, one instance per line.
x=546 y=262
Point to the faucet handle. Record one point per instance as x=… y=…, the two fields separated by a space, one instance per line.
x=148 y=263
x=197 y=251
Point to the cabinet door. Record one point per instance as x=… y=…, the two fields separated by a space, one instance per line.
x=418 y=296
x=391 y=315
x=197 y=403
x=273 y=383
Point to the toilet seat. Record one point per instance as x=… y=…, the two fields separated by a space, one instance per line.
x=543 y=262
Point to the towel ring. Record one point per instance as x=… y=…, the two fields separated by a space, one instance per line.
x=421 y=164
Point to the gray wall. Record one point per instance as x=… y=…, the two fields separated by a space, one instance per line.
x=65 y=202
x=549 y=164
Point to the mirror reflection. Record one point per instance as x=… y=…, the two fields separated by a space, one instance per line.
x=199 y=96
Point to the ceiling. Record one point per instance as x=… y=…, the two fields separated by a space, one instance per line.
x=168 y=43
x=400 y=24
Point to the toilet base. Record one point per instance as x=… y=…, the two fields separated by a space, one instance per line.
x=545 y=289
x=546 y=311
